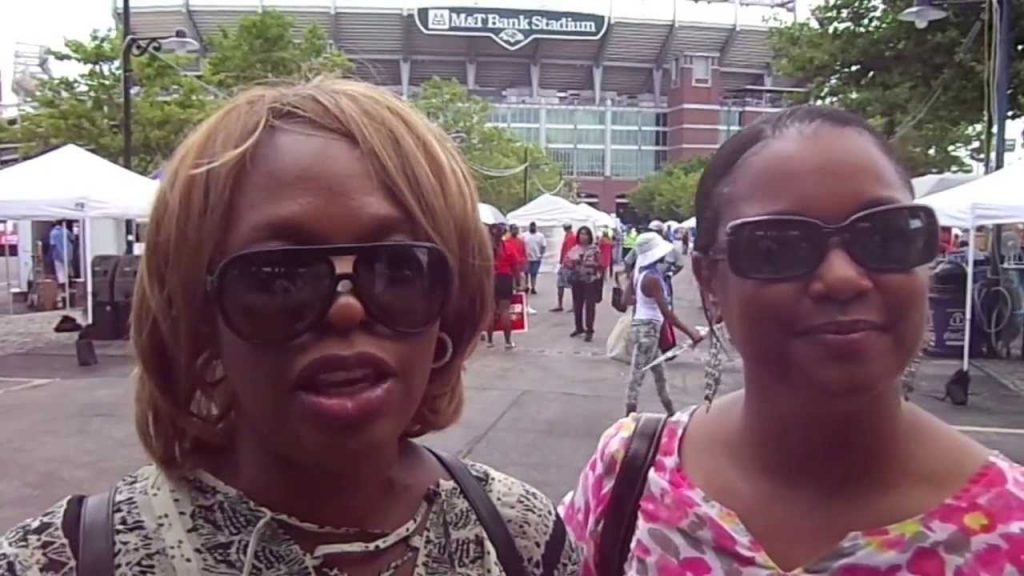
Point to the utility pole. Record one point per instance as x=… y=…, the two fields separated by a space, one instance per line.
x=526 y=174
x=126 y=84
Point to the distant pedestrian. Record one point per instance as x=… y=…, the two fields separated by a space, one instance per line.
x=586 y=276
x=60 y=245
x=607 y=248
x=568 y=241
x=536 y=245
x=505 y=262
x=518 y=247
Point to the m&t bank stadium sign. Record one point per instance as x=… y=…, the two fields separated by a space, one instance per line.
x=513 y=29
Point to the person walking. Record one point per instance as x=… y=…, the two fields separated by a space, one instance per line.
x=568 y=242
x=651 y=310
x=607 y=247
x=518 y=247
x=505 y=264
x=536 y=245
x=629 y=242
x=60 y=246
x=817 y=464
x=586 y=276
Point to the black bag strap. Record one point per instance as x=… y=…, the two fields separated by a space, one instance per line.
x=93 y=544
x=621 y=515
x=494 y=525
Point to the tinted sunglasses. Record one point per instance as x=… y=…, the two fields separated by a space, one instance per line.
x=275 y=295
x=887 y=239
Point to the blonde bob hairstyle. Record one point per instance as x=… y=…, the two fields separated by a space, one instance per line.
x=180 y=409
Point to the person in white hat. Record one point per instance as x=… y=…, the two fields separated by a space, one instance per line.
x=651 y=310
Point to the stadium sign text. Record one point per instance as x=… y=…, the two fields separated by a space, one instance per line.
x=511 y=28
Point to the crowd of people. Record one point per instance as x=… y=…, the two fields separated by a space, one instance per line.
x=288 y=363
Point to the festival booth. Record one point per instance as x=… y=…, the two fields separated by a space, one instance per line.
x=70 y=183
x=550 y=213
x=997 y=198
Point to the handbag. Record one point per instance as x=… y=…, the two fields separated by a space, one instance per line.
x=619 y=345
x=618 y=295
x=667 y=337
x=620 y=516
x=93 y=544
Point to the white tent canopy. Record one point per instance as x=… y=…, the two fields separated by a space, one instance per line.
x=72 y=183
x=997 y=198
x=601 y=219
x=934 y=183
x=550 y=213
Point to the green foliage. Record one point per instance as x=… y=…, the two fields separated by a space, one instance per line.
x=262 y=48
x=918 y=87
x=449 y=105
x=86 y=109
x=669 y=193
x=166 y=104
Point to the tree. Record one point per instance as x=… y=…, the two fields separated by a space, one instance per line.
x=669 y=193
x=494 y=153
x=261 y=49
x=922 y=88
x=86 y=109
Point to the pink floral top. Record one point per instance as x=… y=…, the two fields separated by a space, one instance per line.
x=681 y=531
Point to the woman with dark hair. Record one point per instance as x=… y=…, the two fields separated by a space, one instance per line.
x=505 y=264
x=586 y=276
x=810 y=250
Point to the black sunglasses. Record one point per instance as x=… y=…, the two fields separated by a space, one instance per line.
x=888 y=239
x=275 y=295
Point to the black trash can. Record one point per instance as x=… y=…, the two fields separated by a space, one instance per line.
x=104 y=315
x=947 y=306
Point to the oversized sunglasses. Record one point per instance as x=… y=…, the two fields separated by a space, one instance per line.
x=888 y=239
x=275 y=295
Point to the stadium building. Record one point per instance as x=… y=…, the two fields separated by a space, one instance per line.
x=612 y=89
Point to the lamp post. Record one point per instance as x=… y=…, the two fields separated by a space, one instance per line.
x=135 y=46
x=924 y=12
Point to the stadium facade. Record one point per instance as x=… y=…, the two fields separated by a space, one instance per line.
x=612 y=90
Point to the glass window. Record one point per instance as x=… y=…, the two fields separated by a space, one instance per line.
x=624 y=137
x=625 y=117
x=499 y=115
x=649 y=137
x=648 y=118
x=590 y=117
x=561 y=116
x=729 y=117
x=563 y=157
x=624 y=163
x=561 y=135
x=590 y=136
x=527 y=133
x=590 y=162
x=701 y=71
x=646 y=162
x=524 y=116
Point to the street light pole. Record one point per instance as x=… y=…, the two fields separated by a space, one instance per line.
x=526 y=174
x=126 y=84
x=1003 y=55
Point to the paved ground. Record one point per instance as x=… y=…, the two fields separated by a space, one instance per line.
x=536 y=412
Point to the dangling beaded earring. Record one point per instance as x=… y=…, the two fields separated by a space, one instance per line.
x=909 y=375
x=713 y=365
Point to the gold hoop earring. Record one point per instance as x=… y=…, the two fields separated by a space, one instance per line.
x=449 y=350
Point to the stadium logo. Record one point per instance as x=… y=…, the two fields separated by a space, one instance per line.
x=513 y=29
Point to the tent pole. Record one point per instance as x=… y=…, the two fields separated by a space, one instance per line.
x=969 y=312
x=87 y=268
x=7 y=266
x=67 y=271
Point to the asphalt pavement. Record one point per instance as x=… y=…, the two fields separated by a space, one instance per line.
x=535 y=412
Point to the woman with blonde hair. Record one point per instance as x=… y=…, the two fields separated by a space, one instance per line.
x=315 y=277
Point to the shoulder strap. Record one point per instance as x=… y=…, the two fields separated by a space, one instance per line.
x=493 y=523
x=621 y=515
x=95 y=549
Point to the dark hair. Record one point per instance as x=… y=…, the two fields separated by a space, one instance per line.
x=586 y=229
x=722 y=164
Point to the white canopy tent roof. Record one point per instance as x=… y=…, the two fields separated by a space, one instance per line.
x=934 y=183
x=72 y=183
x=689 y=223
x=601 y=219
x=550 y=210
x=997 y=198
